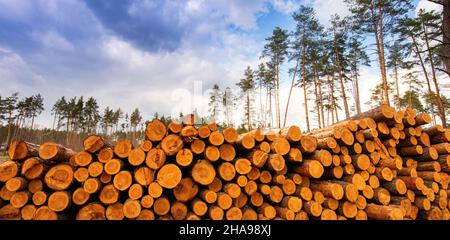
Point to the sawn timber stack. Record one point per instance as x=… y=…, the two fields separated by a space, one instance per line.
x=382 y=164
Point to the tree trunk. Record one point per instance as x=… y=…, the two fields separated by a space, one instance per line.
x=248 y=112
x=396 y=85
x=331 y=83
x=305 y=95
x=8 y=137
x=440 y=106
x=422 y=64
x=380 y=49
x=320 y=99
x=446 y=36
x=277 y=92
x=317 y=102
x=261 y=110
x=358 y=101
x=290 y=92
x=341 y=78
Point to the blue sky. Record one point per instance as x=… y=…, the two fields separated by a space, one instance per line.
x=136 y=53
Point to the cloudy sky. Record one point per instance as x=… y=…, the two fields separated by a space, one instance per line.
x=144 y=53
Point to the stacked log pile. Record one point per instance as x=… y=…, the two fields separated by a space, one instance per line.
x=382 y=164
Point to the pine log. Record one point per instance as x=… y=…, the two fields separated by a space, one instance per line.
x=20 y=150
x=93 y=143
x=59 y=177
x=55 y=152
x=155 y=130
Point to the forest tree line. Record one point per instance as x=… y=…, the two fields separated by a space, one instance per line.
x=408 y=48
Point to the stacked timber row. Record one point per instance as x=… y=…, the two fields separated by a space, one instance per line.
x=382 y=164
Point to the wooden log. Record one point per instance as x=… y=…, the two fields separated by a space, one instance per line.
x=155 y=190
x=20 y=150
x=429 y=154
x=59 y=201
x=357 y=180
x=155 y=130
x=441 y=137
x=258 y=158
x=198 y=146
x=381 y=113
x=105 y=155
x=423 y=118
x=245 y=142
x=396 y=186
x=322 y=156
x=186 y=190
x=59 y=177
x=267 y=211
x=275 y=162
x=179 y=210
x=51 y=151
x=442 y=148
x=16 y=184
x=131 y=208
x=147 y=201
x=28 y=211
x=20 y=199
x=146 y=145
x=171 y=144
x=8 y=170
x=203 y=172
x=155 y=158
x=429 y=176
x=412 y=183
x=93 y=143
x=175 y=127
x=143 y=175
x=184 y=157
x=230 y=135
x=326 y=143
x=329 y=189
x=109 y=194
x=115 y=212
x=79 y=197
x=35 y=185
x=32 y=168
x=136 y=157
x=95 y=169
x=243 y=166
x=212 y=153
x=226 y=171
x=123 y=148
x=292 y=134
x=216 y=138
x=199 y=207
x=204 y=132
x=92 y=185
x=280 y=146
x=224 y=201
x=189 y=134
x=169 y=176
x=123 y=180
x=411 y=151
x=92 y=211
x=309 y=168
x=227 y=152
x=308 y=144
x=45 y=213
x=381 y=212
x=428 y=166
x=361 y=161
x=434 y=130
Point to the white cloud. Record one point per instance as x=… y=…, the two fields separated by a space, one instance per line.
x=286 y=6
x=325 y=8
x=53 y=40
